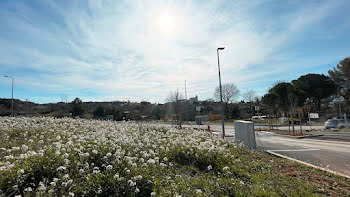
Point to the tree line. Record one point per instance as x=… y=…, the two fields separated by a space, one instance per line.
x=309 y=90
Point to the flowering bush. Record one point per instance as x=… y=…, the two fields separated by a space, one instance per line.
x=47 y=156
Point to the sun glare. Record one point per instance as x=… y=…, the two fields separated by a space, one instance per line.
x=166 y=24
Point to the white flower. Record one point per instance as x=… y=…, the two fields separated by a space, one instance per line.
x=137 y=190
x=153 y=193
x=81 y=171
x=24 y=148
x=71 y=194
x=28 y=189
x=198 y=191
x=65 y=155
x=209 y=167
x=53 y=184
x=151 y=161
x=65 y=177
x=20 y=172
x=42 y=186
x=109 y=167
x=61 y=168
x=225 y=168
x=131 y=183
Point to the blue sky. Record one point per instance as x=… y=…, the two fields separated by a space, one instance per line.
x=141 y=50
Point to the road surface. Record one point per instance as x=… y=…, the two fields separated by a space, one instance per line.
x=334 y=155
x=329 y=150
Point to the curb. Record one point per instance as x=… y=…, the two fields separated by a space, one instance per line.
x=309 y=136
x=310 y=165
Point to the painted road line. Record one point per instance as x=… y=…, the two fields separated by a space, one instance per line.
x=290 y=150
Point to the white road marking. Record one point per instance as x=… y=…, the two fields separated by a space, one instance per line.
x=290 y=150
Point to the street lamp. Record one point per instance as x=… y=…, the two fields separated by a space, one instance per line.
x=13 y=80
x=222 y=104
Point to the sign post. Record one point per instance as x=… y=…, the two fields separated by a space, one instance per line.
x=313 y=116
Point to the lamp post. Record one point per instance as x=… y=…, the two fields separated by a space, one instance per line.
x=222 y=104
x=186 y=103
x=13 y=80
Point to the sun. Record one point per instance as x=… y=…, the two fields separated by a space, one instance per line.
x=166 y=24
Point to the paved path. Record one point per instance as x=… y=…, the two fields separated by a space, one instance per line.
x=334 y=155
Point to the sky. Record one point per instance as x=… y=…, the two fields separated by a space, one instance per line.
x=108 y=50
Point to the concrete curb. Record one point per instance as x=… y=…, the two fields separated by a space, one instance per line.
x=309 y=136
x=310 y=165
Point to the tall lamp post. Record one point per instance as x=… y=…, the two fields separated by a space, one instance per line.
x=222 y=104
x=13 y=80
x=186 y=103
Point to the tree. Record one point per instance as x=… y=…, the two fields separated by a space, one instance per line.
x=77 y=107
x=117 y=114
x=341 y=77
x=250 y=96
x=229 y=92
x=99 y=111
x=281 y=92
x=175 y=109
x=64 y=98
x=271 y=100
x=315 y=87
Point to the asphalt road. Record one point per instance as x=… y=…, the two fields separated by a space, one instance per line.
x=334 y=155
x=325 y=149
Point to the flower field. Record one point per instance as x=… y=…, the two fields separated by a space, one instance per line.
x=77 y=157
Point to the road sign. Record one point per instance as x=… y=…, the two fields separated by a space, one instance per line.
x=198 y=108
x=257 y=108
x=313 y=115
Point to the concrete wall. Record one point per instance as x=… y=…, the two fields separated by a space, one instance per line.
x=244 y=133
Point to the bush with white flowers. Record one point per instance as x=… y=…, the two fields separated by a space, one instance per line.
x=76 y=157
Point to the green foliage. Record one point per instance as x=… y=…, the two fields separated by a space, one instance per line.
x=99 y=111
x=77 y=107
x=315 y=87
x=341 y=76
x=6 y=103
x=117 y=114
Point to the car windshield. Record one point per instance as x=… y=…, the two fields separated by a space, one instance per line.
x=332 y=121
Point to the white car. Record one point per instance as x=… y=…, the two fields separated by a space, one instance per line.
x=336 y=123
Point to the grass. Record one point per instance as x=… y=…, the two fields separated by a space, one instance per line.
x=100 y=158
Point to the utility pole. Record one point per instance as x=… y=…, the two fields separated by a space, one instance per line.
x=13 y=81
x=186 y=103
x=222 y=104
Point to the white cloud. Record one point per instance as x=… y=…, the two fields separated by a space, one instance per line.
x=117 y=49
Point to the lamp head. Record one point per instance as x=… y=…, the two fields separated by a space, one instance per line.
x=221 y=48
